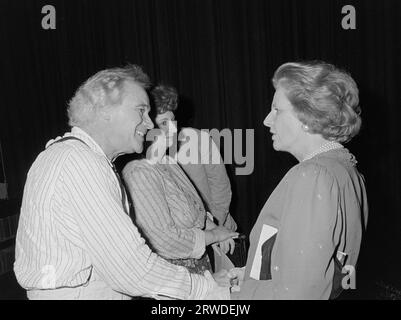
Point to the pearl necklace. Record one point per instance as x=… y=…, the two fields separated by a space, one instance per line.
x=331 y=145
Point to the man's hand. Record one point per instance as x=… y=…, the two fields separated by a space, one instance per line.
x=223 y=278
x=219 y=289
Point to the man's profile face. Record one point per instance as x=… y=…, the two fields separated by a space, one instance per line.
x=130 y=121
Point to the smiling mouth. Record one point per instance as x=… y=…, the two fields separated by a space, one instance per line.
x=140 y=133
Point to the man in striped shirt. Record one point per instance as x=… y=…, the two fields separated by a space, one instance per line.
x=75 y=239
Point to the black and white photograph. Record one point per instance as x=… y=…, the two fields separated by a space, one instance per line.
x=217 y=151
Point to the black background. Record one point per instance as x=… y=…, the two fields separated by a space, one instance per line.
x=221 y=55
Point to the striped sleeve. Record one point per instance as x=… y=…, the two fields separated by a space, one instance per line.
x=112 y=242
x=154 y=218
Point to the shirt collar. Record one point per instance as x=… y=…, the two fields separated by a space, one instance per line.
x=81 y=134
x=85 y=137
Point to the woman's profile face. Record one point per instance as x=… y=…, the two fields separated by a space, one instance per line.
x=283 y=123
x=165 y=122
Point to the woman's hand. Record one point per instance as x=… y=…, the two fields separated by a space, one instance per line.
x=237 y=278
x=219 y=234
x=227 y=245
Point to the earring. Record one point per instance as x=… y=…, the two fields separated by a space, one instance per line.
x=305 y=127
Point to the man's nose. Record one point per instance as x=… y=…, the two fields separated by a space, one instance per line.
x=148 y=123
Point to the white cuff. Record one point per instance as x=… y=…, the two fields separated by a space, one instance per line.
x=206 y=288
x=199 y=287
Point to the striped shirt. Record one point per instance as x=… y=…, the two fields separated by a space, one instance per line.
x=73 y=227
x=168 y=209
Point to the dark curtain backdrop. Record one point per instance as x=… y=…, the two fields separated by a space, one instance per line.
x=221 y=55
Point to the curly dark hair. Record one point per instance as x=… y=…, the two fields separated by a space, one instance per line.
x=165 y=98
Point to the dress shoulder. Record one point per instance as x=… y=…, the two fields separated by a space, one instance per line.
x=310 y=171
x=339 y=164
x=135 y=165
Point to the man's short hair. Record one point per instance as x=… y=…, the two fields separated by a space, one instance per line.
x=104 y=89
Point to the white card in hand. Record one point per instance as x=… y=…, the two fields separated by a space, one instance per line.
x=266 y=233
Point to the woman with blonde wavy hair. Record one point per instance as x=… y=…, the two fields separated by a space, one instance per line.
x=310 y=229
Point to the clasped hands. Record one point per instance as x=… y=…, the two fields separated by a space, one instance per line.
x=232 y=278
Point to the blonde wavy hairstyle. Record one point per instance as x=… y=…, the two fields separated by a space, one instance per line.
x=324 y=98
